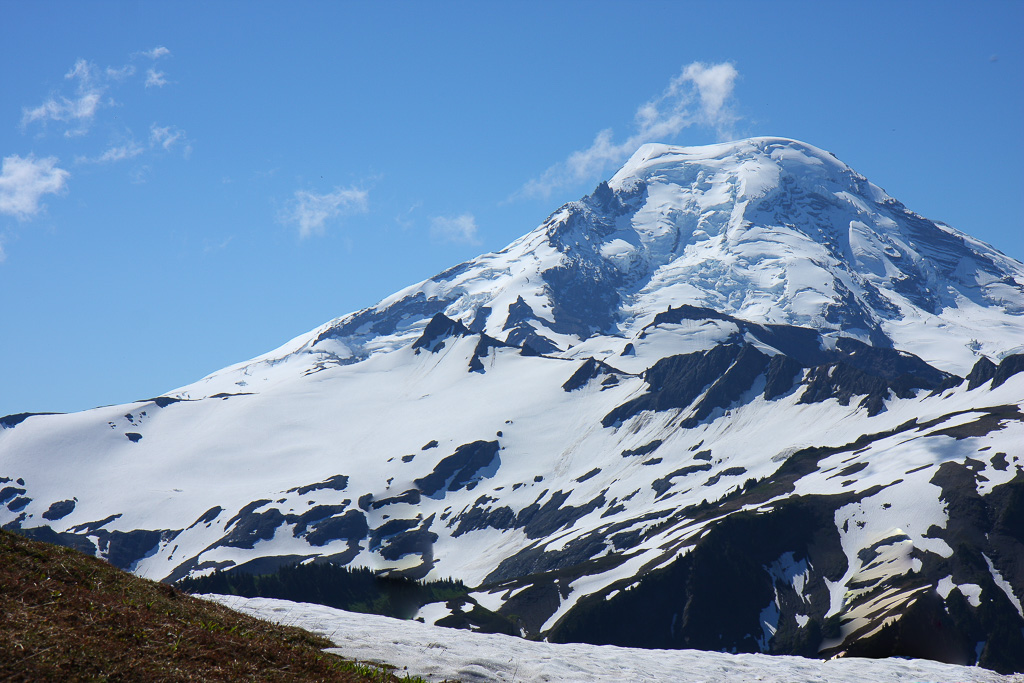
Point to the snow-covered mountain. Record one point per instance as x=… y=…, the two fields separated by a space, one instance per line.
x=737 y=399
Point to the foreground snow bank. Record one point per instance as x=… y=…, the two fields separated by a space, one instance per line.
x=437 y=654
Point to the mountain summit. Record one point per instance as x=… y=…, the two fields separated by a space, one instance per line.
x=766 y=229
x=738 y=398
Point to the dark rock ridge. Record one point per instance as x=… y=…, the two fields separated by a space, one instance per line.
x=12 y=421
x=590 y=370
x=461 y=469
x=59 y=510
x=440 y=328
x=522 y=334
x=338 y=482
x=723 y=375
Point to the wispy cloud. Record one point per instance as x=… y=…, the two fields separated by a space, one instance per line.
x=714 y=86
x=80 y=109
x=311 y=212
x=91 y=89
x=75 y=109
x=455 y=229
x=210 y=246
x=128 y=150
x=166 y=136
x=155 y=79
x=156 y=52
x=405 y=220
x=23 y=182
x=140 y=174
x=120 y=74
x=82 y=70
x=698 y=95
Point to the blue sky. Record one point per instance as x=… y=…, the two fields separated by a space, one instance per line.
x=187 y=185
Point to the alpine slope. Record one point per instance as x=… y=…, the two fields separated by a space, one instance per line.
x=736 y=399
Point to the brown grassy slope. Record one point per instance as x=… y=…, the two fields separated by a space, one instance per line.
x=65 y=616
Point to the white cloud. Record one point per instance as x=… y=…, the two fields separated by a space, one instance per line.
x=80 y=109
x=156 y=52
x=155 y=78
x=120 y=153
x=23 y=181
x=120 y=74
x=455 y=229
x=405 y=219
x=82 y=70
x=165 y=136
x=699 y=94
x=311 y=211
x=129 y=150
x=59 y=108
x=714 y=85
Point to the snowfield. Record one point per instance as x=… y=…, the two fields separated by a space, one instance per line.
x=438 y=654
